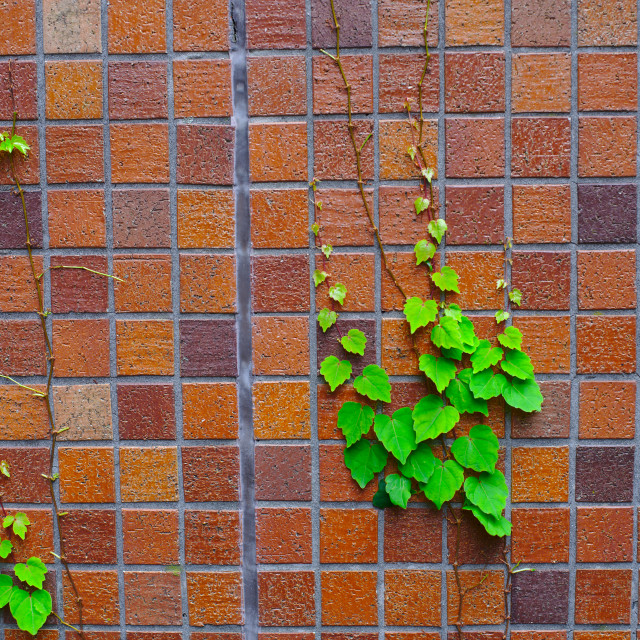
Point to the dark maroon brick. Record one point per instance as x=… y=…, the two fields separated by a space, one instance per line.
x=208 y=348
x=329 y=345
x=89 y=536
x=543 y=23
x=474 y=82
x=26 y=483
x=205 y=154
x=354 y=18
x=475 y=215
x=77 y=290
x=141 y=218
x=280 y=283
x=22 y=348
x=554 y=419
x=414 y=535
x=540 y=597
x=476 y=546
x=607 y=213
x=283 y=472
x=23 y=77
x=137 y=90
x=541 y=147
x=211 y=473
x=544 y=277
x=12 y=230
x=146 y=412
x=604 y=474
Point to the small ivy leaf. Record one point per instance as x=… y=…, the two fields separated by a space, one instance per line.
x=447 y=334
x=500 y=284
x=373 y=383
x=4 y=469
x=495 y=526
x=338 y=292
x=396 y=433
x=354 y=342
x=419 y=313
x=411 y=152
x=461 y=397
x=381 y=499
x=424 y=251
x=502 y=316
x=440 y=370
x=431 y=418
x=487 y=384
x=327 y=249
x=8 y=521
x=420 y=464
x=354 y=420
x=511 y=338
x=315 y=229
x=428 y=174
x=446 y=479
x=515 y=295
x=6 y=587
x=399 y=489
x=488 y=492
x=523 y=394
x=319 y=277
x=20 y=144
x=453 y=311
x=437 y=229
x=30 y=610
x=446 y=279
x=20 y=524
x=364 y=459
x=335 y=371
x=517 y=364
x=32 y=573
x=485 y=356
x=421 y=204
x=327 y=319
x=6 y=145
x=478 y=450
x=6 y=547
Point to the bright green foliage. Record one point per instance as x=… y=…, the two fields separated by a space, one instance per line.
x=373 y=383
x=446 y=279
x=354 y=420
x=446 y=479
x=446 y=334
x=327 y=249
x=327 y=319
x=515 y=295
x=419 y=313
x=440 y=370
x=460 y=395
x=381 y=499
x=494 y=525
x=502 y=316
x=431 y=417
x=6 y=547
x=420 y=464
x=338 y=292
x=452 y=354
x=396 y=433
x=30 y=610
x=424 y=251
x=437 y=229
x=511 y=338
x=20 y=523
x=364 y=459
x=428 y=174
x=4 y=469
x=487 y=384
x=335 y=371
x=33 y=572
x=485 y=356
x=315 y=229
x=467 y=335
x=354 y=342
x=488 y=492
x=319 y=277
x=399 y=489
x=421 y=204
x=523 y=394
x=478 y=450
x=517 y=364
x=6 y=587
x=9 y=143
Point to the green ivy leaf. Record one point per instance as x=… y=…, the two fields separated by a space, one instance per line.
x=315 y=228
x=338 y=292
x=488 y=492
x=453 y=311
x=421 y=204
x=399 y=489
x=419 y=313
x=20 y=523
x=446 y=334
x=354 y=342
x=452 y=354
x=523 y=394
x=20 y=144
x=327 y=249
x=468 y=335
x=354 y=420
x=461 y=397
x=6 y=547
x=381 y=499
x=515 y=295
x=32 y=573
x=502 y=316
x=437 y=229
x=440 y=370
x=420 y=464
x=373 y=383
x=478 y=450
x=494 y=525
x=335 y=371
x=517 y=364
x=446 y=479
x=485 y=356
x=511 y=338
x=364 y=459
x=30 y=610
x=4 y=469
x=428 y=174
x=431 y=417
x=396 y=433
x=6 y=587
x=446 y=279
x=319 y=277
x=424 y=251
x=327 y=319
x=487 y=384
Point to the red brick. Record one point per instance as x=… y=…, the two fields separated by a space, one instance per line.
x=139 y=152
x=26 y=168
x=334 y=157
x=356 y=272
x=283 y=535
x=205 y=154
x=474 y=545
x=152 y=598
x=606 y=344
x=90 y=536
x=483 y=604
x=77 y=290
x=399 y=75
x=26 y=466
x=603 y=596
x=607 y=146
x=541 y=147
x=150 y=536
x=399 y=223
x=276 y=24
x=554 y=419
x=540 y=535
x=145 y=412
x=286 y=599
x=543 y=277
x=400 y=23
x=606 y=279
x=336 y=483
x=137 y=90
x=335 y=227
x=75 y=153
x=212 y=537
x=277 y=85
x=414 y=535
x=475 y=215
x=200 y=25
x=607 y=82
x=607 y=409
x=349 y=598
x=137 y=27
x=474 y=147
x=202 y=88
x=546 y=23
x=329 y=93
x=604 y=534
x=210 y=473
x=280 y=283
x=474 y=82
x=18 y=30
x=81 y=348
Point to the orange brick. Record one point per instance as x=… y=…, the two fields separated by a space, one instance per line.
x=541 y=213
x=483 y=604
x=533 y=71
x=279 y=218
x=606 y=344
x=412 y=598
x=18 y=293
x=540 y=535
x=214 y=598
x=607 y=82
x=349 y=598
x=207 y=284
x=540 y=474
x=607 y=409
x=348 y=535
x=139 y=153
x=606 y=146
x=18 y=30
x=328 y=86
x=86 y=474
x=356 y=272
x=473 y=22
x=144 y=347
x=281 y=410
x=478 y=272
x=209 y=410
x=74 y=90
x=76 y=218
x=336 y=483
x=205 y=219
x=22 y=416
x=81 y=348
x=413 y=279
x=148 y=475
x=606 y=279
x=99 y=593
x=394 y=140
x=137 y=27
x=547 y=341
x=278 y=151
x=146 y=285
x=280 y=345
x=202 y=88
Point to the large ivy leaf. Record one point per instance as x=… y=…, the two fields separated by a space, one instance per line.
x=327 y=319
x=494 y=525
x=399 y=489
x=511 y=338
x=354 y=342
x=446 y=334
x=440 y=370
x=420 y=464
x=452 y=354
x=487 y=384
x=446 y=279
x=446 y=479
x=431 y=417
x=468 y=335
x=338 y=292
x=6 y=587
x=33 y=572
x=419 y=313
x=460 y=396
x=30 y=610
x=364 y=459
x=485 y=356
x=396 y=433
x=424 y=251
x=437 y=229
x=523 y=394
x=517 y=364
x=6 y=547
x=19 y=523
x=488 y=492
x=335 y=371
x=354 y=420
x=319 y=277
x=373 y=383
x=478 y=450
x=381 y=499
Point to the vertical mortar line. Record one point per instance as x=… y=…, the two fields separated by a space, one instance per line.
x=238 y=54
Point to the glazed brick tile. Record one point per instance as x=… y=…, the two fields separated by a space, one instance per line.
x=540 y=597
x=401 y=22
x=144 y=347
x=71 y=28
x=141 y=218
x=280 y=283
x=276 y=24
x=283 y=536
x=279 y=218
x=478 y=272
x=349 y=598
x=356 y=272
x=89 y=536
x=475 y=546
x=399 y=75
x=212 y=537
x=546 y=23
x=286 y=598
x=280 y=345
x=150 y=536
x=474 y=148
x=202 y=88
x=541 y=147
x=74 y=90
x=137 y=27
x=278 y=151
x=99 y=593
x=281 y=410
x=554 y=419
x=86 y=474
x=328 y=405
x=18 y=31
x=208 y=348
x=207 y=284
x=22 y=347
x=540 y=474
x=19 y=293
x=398 y=222
x=145 y=282
x=532 y=71
x=12 y=229
x=601 y=635
x=214 y=598
x=412 y=597
x=76 y=289
x=200 y=25
x=548 y=342
x=413 y=279
x=611 y=24
x=81 y=347
x=334 y=158
x=26 y=168
x=76 y=218
x=83 y=409
x=205 y=154
x=277 y=85
x=541 y=213
x=336 y=483
x=22 y=76
x=210 y=473
x=140 y=153
x=543 y=277
x=604 y=474
x=604 y=534
x=75 y=153
x=412 y=535
x=338 y=229
x=209 y=410
x=148 y=474
x=395 y=137
x=23 y=415
x=607 y=213
x=328 y=343
x=398 y=357
x=152 y=598
x=283 y=472
x=607 y=409
x=27 y=464
x=540 y=535
x=474 y=23
x=40 y=538
x=354 y=17
x=484 y=604
x=607 y=82
x=205 y=219
x=603 y=596
x=606 y=146
x=474 y=82
x=145 y=412
x=606 y=279
x=606 y=344
x=328 y=84
x=137 y=90
x=348 y=536
x=475 y=214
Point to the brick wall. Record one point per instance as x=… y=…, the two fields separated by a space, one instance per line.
x=202 y=470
